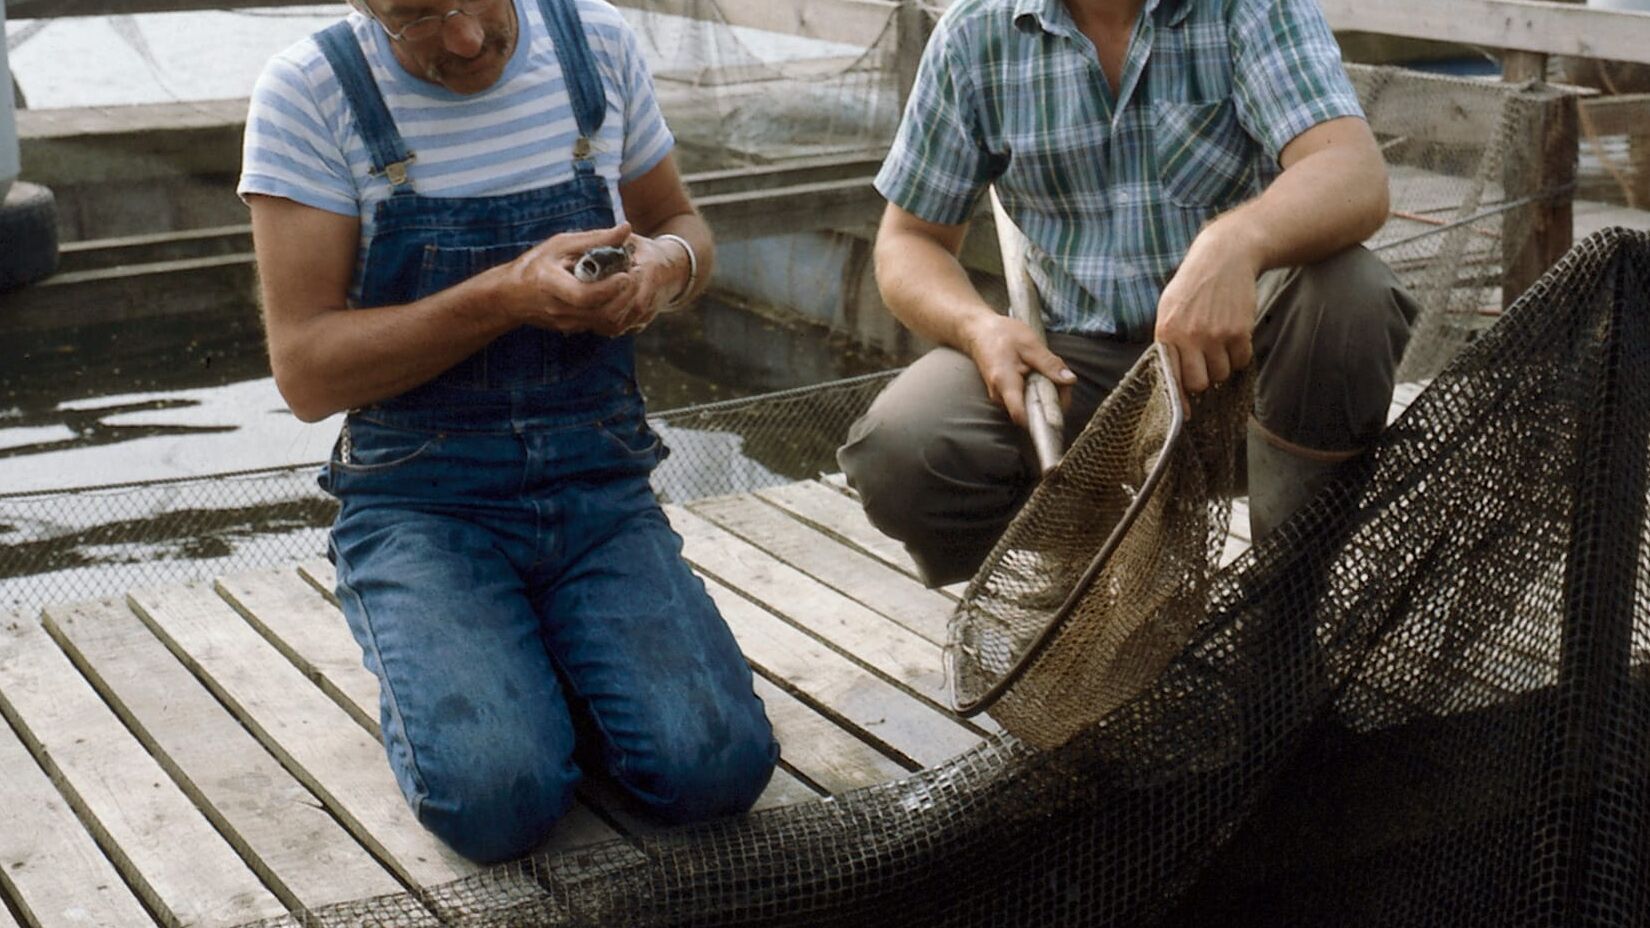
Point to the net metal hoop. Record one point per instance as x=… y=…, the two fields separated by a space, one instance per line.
x=1177 y=420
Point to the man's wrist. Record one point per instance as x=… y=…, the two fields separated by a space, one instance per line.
x=975 y=327
x=686 y=292
x=1233 y=237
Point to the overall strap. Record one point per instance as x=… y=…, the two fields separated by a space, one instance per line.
x=385 y=146
x=578 y=71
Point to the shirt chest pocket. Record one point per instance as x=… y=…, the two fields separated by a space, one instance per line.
x=1204 y=157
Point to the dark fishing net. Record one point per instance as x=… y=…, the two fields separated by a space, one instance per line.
x=1423 y=701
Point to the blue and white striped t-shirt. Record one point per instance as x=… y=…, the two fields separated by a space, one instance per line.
x=302 y=142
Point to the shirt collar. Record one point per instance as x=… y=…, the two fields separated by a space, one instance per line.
x=1052 y=15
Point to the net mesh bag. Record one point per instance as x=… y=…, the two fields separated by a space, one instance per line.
x=1094 y=586
x=1423 y=701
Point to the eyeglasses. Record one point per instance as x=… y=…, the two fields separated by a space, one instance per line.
x=428 y=27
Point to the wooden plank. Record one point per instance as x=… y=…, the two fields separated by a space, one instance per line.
x=1517 y=66
x=829 y=204
x=852 y=22
x=159 y=841
x=868 y=537
x=876 y=711
x=275 y=824
x=819 y=749
x=789 y=718
x=49 y=865
x=319 y=573
x=856 y=575
x=128 y=250
x=833 y=759
x=841 y=517
x=313 y=738
x=901 y=655
x=1240 y=519
x=293 y=614
x=1621 y=114
x=52 y=9
x=827 y=504
x=1524 y=25
x=309 y=630
x=321 y=647
x=855 y=22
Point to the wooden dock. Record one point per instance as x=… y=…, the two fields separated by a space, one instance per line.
x=207 y=754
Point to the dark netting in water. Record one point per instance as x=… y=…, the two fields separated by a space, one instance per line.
x=1422 y=702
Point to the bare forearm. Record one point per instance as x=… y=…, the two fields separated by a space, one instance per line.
x=927 y=289
x=1332 y=194
x=338 y=360
x=1326 y=202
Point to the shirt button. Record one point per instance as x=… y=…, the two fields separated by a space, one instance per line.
x=1122 y=197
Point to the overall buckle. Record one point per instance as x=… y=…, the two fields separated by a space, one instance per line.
x=396 y=171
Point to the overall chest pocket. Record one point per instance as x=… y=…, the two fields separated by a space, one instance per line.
x=1204 y=158
x=443 y=267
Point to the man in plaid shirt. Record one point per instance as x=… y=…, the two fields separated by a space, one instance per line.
x=1182 y=168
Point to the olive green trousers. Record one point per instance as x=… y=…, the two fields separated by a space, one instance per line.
x=942 y=468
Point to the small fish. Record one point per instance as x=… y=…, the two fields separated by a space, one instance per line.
x=601 y=262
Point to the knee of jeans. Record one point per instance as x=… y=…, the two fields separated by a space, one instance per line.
x=495 y=810
x=695 y=785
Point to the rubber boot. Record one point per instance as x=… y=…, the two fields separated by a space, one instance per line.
x=1283 y=478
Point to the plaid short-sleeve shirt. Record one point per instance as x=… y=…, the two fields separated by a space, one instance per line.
x=1110 y=186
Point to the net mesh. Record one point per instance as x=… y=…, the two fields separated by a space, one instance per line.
x=787 y=85
x=83 y=543
x=1422 y=701
x=1091 y=591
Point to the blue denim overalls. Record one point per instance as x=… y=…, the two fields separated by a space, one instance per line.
x=501 y=558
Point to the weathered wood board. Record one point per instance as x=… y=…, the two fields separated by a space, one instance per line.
x=49 y=865
x=277 y=825
x=161 y=843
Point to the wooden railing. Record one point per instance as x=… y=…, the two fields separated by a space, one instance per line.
x=854 y=22
x=1524 y=31
x=1525 y=34
x=1539 y=28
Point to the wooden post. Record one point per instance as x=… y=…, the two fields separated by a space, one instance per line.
x=1517 y=67
x=912 y=23
x=1638 y=171
x=1539 y=159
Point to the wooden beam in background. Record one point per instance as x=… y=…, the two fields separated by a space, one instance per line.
x=1521 y=25
x=853 y=22
x=53 y=9
x=1540 y=158
x=1624 y=114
